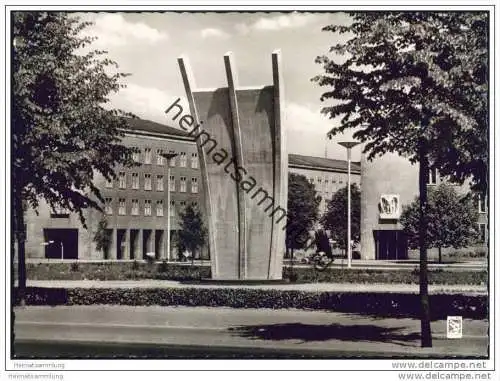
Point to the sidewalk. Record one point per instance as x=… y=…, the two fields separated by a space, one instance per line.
x=308 y=287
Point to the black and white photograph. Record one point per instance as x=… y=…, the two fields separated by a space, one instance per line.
x=250 y=187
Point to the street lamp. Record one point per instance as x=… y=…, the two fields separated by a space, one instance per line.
x=168 y=156
x=348 y=145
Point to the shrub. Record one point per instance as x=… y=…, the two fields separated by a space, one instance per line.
x=178 y=272
x=163 y=267
x=135 y=265
x=372 y=303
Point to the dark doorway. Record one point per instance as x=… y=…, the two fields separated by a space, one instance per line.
x=121 y=243
x=390 y=244
x=134 y=244
x=159 y=244
x=61 y=243
x=146 y=242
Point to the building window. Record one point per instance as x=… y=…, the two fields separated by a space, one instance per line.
x=194 y=160
x=159 y=208
x=135 y=180
x=183 y=204
x=108 y=206
x=183 y=159
x=481 y=203
x=311 y=180
x=147 y=155
x=194 y=185
x=109 y=183
x=171 y=183
x=172 y=208
x=59 y=212
x=195 y=204
x=122 y=180
x=432 y=176
x=159 y=157
x=135 y=207
x=121 y=207
x=172 y=160
x=183 y=184
x=159 y=182
x=147 y=207
x=482 y=232
x=319 y=180
x=147 y=181
x=136 y=156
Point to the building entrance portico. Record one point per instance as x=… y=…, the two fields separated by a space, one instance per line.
x=390 y=244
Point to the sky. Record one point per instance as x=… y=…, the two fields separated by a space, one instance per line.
x=147 y=46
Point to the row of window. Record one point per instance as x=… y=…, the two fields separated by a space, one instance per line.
x=147 y=210
x=320 y=180
x=148 y=179
x=160 y=160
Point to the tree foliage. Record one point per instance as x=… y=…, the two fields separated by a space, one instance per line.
x=335 y=217
x=452 y=219
x=302 y=210
x=62 y=131
x=392 y=70
x=193 y=233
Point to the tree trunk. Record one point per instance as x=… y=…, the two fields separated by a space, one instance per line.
x=439 y=251
x=20 y=237
x=425 y=322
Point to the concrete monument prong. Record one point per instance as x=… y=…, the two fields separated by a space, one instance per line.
x=244 y=126
x=348 y=145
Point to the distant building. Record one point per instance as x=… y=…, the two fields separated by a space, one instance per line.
x=327 y=175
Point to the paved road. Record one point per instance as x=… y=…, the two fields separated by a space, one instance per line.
x=125 y=331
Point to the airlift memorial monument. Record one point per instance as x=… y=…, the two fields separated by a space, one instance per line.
x=246 y=219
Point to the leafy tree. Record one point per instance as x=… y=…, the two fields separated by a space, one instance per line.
x=335 y=217
x=402 y=68
x=62 y=132
x=193 y=233
x=414 y=83
x=302 y=211
x=102 y=238
x=452 y=219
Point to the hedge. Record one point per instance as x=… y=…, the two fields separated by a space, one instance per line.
x=167 y=271
x=380 y=304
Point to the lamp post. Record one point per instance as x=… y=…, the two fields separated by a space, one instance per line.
x=348 y=145
x=168 y=156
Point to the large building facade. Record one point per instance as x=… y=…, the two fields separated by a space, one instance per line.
x=136 y=209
